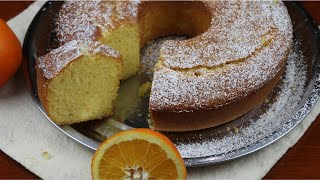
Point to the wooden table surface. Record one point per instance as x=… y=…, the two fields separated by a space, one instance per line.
x=301 y=161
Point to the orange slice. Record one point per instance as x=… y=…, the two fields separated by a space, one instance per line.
x=138 y=154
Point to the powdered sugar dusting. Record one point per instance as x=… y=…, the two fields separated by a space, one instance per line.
x=150 y=53
x=84 y=20
x=53 y=62
x=236 y=31
x=98 y=48
x=277 y=112
x=57 y=59
x=205 y=88
x=244 y=48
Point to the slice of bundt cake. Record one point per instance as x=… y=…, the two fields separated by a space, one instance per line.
x=110 y=22
x=78 y=83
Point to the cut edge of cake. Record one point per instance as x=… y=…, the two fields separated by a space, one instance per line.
x=82 y=87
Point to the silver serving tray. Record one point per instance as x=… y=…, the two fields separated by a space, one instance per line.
x=284 y=109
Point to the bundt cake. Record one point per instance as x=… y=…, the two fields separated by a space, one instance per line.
x=234 y=57
x=78 y=83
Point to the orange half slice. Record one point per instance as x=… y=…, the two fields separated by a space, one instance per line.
x=138 y=154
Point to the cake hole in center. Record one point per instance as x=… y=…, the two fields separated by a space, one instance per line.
x=159 y=19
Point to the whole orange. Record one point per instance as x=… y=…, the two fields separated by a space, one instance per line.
x=10 y=53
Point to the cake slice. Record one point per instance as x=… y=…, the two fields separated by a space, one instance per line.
x=111 y=22
x=78 y=83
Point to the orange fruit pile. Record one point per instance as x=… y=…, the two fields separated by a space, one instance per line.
x=138 y=154
x=10 y=53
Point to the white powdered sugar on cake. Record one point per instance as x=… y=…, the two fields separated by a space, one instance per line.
x=244 y=48
x=82 y=20
x=57 y=59
x=276 y=114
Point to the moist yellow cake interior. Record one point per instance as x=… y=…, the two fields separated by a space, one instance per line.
x=125 y=39
x=85 y=90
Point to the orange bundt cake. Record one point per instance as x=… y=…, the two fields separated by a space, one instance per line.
x=234 y=57
x=78 y=83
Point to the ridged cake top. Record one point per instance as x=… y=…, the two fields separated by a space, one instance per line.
x=57 y=59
